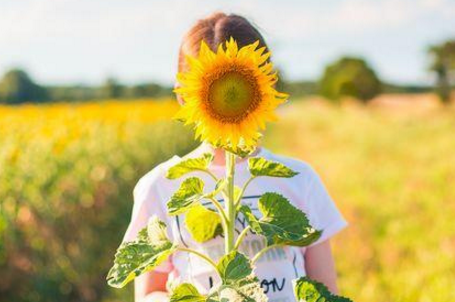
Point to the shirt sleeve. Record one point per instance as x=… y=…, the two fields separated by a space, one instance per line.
x=147 y=203
x=321 y=210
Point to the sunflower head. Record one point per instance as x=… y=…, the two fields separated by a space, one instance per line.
x=229 y=94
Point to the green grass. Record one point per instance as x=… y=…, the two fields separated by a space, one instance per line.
x=392 y=174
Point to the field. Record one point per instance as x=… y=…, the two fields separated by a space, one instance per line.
x=67 y=172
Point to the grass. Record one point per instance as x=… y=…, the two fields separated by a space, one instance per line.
x=392 y=175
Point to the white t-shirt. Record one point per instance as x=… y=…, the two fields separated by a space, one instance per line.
x=278 y=267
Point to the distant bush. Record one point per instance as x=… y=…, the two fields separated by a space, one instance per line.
x=298 y=89
x=350 y=77
x=111 y=89
x=443 y=65
x=17 y=87
x=404 y=89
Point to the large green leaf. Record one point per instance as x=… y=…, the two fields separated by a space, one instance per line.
x=190 y=192
x=281 y=223
x=190 y=165
x=203 y=224
x=260 y=166
x=186 y=292
x=309 y=290
x=234 y=266
x=238 y=281
x=251 y=290
x=247 y=289
x=238 y=284
x=134 y=258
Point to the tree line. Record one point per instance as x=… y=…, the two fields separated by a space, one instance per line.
x=18 y=87
x=346 y=77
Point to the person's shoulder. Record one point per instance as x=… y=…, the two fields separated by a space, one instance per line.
x=155 y=177
x=304 y=169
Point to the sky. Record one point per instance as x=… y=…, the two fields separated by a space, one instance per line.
x=85 y=41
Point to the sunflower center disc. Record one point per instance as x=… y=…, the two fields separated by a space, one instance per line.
x=231 y=96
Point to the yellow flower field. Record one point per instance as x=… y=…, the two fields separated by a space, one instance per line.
x=67 y=172
x=61 y=124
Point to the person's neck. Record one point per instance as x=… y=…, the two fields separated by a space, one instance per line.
x=220 y=155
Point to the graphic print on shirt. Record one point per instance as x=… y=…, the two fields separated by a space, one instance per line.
x=275 y=269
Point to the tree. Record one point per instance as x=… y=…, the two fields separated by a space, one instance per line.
x=443 y=65
x=349 y=76
x=17 y=87
x=112 y=89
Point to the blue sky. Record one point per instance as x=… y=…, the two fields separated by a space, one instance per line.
x=84 y=41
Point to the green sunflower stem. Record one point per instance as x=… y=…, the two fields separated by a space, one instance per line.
x=230 y=203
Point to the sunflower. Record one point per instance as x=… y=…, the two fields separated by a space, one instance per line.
x=229 y=94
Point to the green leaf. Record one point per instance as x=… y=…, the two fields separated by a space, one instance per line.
x=190 y=165
x=260 y=166
x=240 y=151
x=309 y=290
x=189 y=194
x=134 y=258
x=255 y=224
x=281 y=223
x=234 y=266
x=238 y=281
x=251 y=290
x=229 y=294
x=186 y=292
x=247 y=289
x=156 y=232
x=203 y=224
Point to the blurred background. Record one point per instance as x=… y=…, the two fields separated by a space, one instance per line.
x=85 y=110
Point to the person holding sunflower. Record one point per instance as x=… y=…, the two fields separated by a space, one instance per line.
x=226 y=89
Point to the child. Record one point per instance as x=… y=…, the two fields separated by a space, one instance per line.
x=278 y=267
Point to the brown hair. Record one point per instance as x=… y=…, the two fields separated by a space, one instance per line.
x=214 y=30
